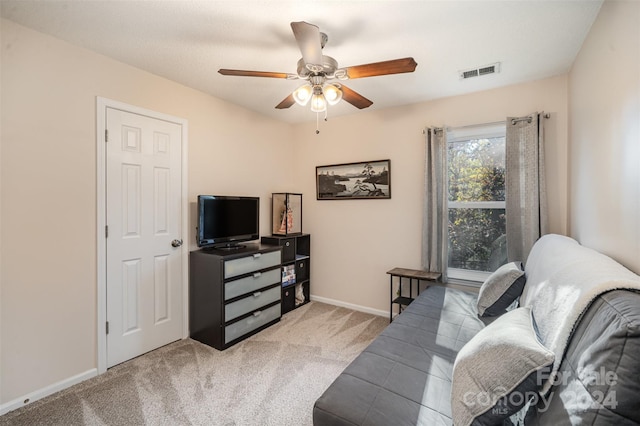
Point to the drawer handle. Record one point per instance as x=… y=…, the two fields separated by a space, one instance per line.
x=287 y=244
x=257 y=255
x=257 y=313
x=257 y=294
x=257 y=275
x=301 y=264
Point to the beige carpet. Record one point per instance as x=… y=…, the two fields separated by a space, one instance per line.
x=272 y=378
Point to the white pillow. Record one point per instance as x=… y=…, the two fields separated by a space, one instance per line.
x=496 y=372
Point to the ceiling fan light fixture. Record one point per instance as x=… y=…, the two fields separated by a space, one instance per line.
x=318 y=103
x=302 y=94
x=332 y=93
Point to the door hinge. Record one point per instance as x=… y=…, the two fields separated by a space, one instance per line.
x=106 y=231
x=107 y=327
x=106 y=135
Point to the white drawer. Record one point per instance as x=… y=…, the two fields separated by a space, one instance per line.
x=251 y=283
x=247 y=264
x=246 y=325
x=251 y=303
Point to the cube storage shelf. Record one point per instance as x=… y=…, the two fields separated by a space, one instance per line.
x=296 y=256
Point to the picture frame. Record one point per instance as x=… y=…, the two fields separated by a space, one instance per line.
x=348 y=181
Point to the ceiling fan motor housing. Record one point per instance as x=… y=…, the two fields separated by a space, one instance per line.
x=327 y=68
x=317 y=80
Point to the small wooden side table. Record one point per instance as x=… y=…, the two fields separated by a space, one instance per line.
x=411 y=274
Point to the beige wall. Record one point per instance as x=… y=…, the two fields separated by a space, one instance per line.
x=354 y=242
x=48 y=272
x=604 y=97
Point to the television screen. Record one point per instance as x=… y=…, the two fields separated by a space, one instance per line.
x=226 y=220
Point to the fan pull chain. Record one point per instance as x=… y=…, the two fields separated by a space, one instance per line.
x=318 y=120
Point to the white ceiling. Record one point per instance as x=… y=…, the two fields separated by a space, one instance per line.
x=188 y=41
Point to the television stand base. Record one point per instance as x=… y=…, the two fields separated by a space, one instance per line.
x=230 y=247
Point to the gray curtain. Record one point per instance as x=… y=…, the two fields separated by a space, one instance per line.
x=435 y=212
x=526 y=198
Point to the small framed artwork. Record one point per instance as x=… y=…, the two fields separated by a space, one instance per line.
x=366 y=179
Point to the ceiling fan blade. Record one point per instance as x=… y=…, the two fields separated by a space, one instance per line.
x=286 y=102
x=394 y=66
x=354 y=98
x=243 y=73
x=309 y=41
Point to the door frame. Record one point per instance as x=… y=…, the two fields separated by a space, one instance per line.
x=101 y=216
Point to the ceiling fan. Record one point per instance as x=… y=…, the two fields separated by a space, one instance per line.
x=319 y=71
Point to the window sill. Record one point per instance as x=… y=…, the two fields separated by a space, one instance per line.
x=468 y=276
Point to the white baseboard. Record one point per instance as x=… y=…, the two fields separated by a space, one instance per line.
x=46 y=391
x=350 y=306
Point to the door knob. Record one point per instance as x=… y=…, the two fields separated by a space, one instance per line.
x=176 y=243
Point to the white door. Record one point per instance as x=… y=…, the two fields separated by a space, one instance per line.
x=143 y=216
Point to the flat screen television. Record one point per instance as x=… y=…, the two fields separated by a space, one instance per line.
x=226 y=221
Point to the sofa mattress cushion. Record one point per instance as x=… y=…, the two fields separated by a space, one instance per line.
x=404 y=376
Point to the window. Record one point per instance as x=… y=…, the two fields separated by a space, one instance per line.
x=476 y=196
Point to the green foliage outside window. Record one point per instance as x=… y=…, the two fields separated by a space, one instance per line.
x=476 y=173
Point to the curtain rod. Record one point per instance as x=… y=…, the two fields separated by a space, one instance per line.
x=440 y=129
x=527 y=118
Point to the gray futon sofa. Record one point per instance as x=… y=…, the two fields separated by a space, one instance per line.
x=586 y=312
